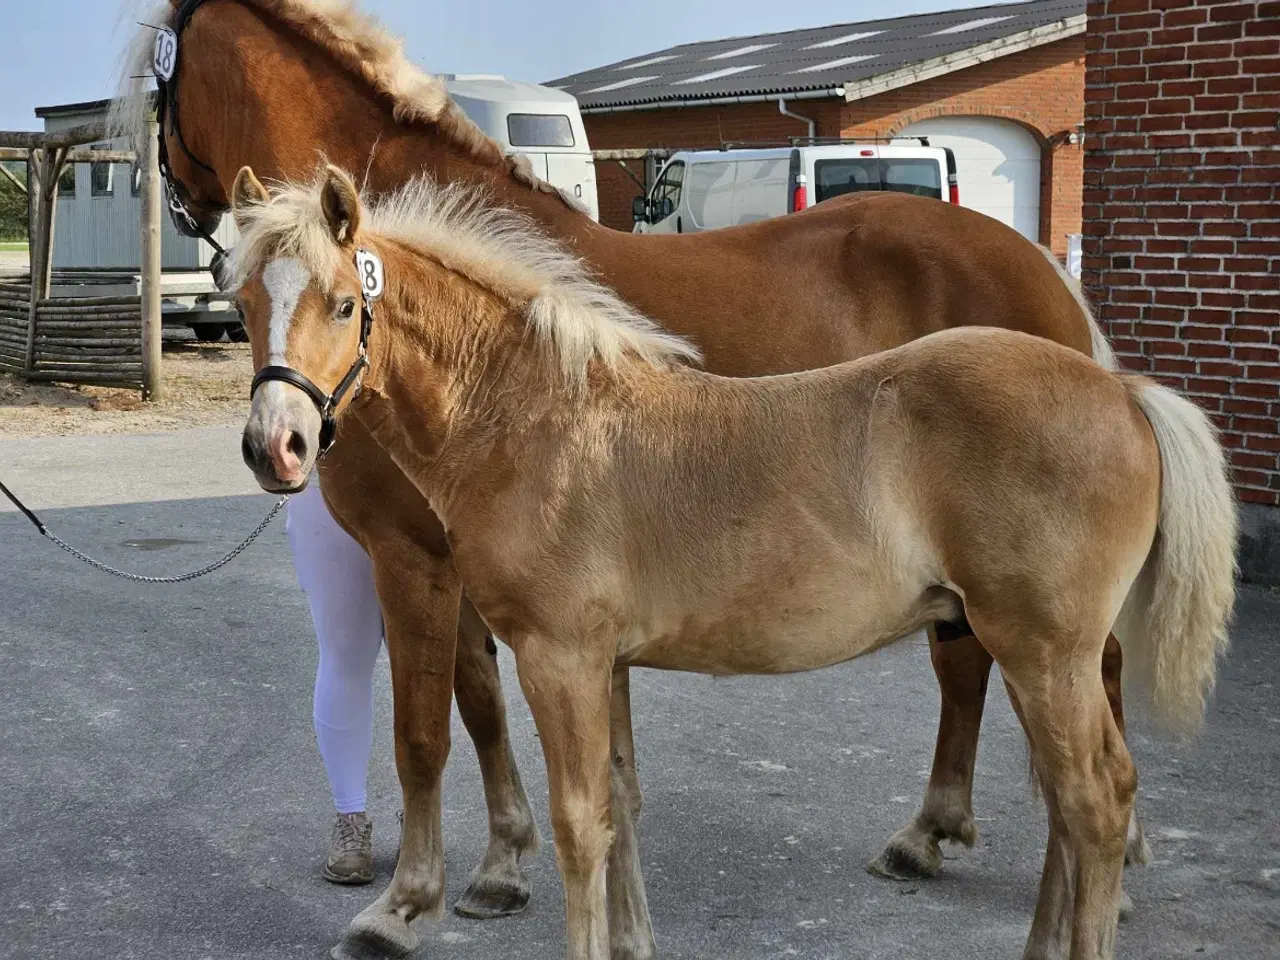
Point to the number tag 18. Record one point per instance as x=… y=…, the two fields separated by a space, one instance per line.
x=369 y=265
x=165 y=57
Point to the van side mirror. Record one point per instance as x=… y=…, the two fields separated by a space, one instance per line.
x=639 y=209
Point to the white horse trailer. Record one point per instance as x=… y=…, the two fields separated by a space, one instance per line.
x=96 y=229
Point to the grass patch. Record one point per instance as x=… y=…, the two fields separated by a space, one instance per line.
x=13 y=246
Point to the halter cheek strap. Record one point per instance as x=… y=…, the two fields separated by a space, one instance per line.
x=327 y=403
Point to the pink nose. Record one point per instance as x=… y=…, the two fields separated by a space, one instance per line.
x=286 y=450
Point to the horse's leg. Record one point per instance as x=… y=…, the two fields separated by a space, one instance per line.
x=568 y=689
x=630 y=929
x=420 y=594
x=1089 y=783
x=962 y=667
x=498 y=886
x=1136 y=850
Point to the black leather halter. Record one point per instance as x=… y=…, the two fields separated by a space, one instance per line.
x=167 y=110
x=326 y=403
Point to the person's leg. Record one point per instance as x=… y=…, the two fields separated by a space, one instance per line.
x=337 y=577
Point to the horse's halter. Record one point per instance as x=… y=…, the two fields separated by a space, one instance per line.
x=370 y=269
x=167 y=108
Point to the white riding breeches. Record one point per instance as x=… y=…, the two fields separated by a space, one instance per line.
x=337 y=577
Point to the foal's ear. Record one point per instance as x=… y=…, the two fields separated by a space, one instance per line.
x=246 y=192
x=341 y=203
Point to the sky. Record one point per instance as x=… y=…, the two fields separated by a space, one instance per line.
x=64 y=51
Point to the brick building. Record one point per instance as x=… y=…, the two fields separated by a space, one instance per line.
x=1182 y=219
x=1001 y=85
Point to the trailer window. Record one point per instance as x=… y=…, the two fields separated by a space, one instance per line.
x=67 y=181
x=539 y=130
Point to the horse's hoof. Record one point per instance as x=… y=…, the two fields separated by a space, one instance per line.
x=380 y=937
x=488 y=898
x=908 y=856
x=1136 y=851
x=1126 y=906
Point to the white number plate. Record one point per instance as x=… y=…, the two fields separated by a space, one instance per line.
x=369 y=264
x=165 y=58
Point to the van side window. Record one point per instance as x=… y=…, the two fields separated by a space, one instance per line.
x=669 y=185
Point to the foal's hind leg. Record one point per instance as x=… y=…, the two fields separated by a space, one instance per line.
x=498 y=885
x=962 y=667
x=630 y=930
x=1089 y=782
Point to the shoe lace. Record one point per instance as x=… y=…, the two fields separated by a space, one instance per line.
x=350 y=835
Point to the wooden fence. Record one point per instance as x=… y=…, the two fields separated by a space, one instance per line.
x=112 y=341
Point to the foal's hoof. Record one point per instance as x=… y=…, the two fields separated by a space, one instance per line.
x=488 y=898
x=909 y=855
x=383 y=937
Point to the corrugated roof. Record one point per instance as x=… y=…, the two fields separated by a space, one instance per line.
x=813 y=59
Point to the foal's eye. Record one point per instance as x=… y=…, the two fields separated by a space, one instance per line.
x=347 y=310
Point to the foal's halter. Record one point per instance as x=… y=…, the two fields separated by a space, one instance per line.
x=167 y=109
x=370 y=269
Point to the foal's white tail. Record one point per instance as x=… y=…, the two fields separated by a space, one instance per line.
x=1174 y=622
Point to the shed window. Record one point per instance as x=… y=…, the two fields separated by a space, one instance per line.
x=539 y=130
x=100 y=176
x=67 y=181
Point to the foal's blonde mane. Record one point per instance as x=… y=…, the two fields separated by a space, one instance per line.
x=499 y=249
x=363 y=47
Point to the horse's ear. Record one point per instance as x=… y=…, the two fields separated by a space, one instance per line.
x=341 y=203
x=246 y=192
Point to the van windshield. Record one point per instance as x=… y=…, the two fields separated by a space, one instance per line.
x=918 y=175
x=539 y=130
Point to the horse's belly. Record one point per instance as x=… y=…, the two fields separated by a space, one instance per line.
x=788 y=640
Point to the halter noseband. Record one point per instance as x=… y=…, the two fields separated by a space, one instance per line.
x=327 y=403
x=167 y=108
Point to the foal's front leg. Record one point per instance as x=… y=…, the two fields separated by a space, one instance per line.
x=630 y=929
x=567 y=685
x=420 y=613
x=498 y=885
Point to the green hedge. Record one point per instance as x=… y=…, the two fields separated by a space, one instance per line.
x=13 y=206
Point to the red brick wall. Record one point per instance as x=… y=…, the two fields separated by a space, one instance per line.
x=1040 y=88
x=1182 y=208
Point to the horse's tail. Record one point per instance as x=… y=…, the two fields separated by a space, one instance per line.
x=1102 y=351
x=1174 y=622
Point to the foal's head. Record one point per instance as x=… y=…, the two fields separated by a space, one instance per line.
x=304 y=305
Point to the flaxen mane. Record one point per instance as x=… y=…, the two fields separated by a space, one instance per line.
x=360 y=45
x=495 y=247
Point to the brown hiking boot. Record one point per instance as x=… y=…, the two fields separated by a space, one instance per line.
x=350 y=850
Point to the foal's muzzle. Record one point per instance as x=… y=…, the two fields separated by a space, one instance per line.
x=281 y=439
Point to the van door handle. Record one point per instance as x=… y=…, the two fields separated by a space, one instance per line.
x=679 y=225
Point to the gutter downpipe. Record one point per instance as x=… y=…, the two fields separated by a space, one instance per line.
x=720 y=101
x=813 y=126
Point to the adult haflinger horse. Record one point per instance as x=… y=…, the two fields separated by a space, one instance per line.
x=608 y=506
x=849 y=277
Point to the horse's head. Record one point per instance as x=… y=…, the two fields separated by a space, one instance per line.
x=305 y=307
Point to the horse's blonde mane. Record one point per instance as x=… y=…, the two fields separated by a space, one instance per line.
x=497 y=248
x=362 y=46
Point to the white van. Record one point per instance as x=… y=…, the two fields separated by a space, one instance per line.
x=540 y=122
x=704 y=189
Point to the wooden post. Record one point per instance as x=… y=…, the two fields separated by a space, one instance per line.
x=43 y=169
x=152 y=322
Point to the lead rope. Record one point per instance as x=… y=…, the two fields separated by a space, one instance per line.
x=137 y=577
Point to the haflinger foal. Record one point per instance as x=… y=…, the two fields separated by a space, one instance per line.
x=608 y=505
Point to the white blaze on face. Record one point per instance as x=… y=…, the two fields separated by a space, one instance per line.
x=285 y=280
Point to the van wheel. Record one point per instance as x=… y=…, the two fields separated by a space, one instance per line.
x=237 y=333
x=209 y=332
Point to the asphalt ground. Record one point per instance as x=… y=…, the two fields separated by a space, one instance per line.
x=161 y=795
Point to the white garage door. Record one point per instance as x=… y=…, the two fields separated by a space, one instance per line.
x=998 y=164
